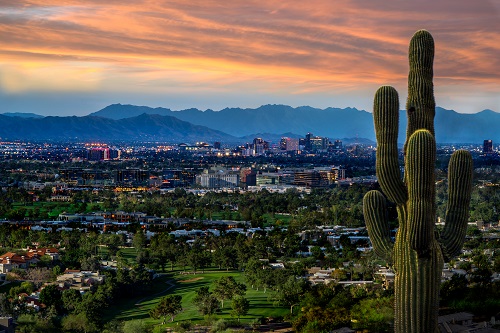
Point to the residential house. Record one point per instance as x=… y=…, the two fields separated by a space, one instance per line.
x=11 y=260
x=52 y=252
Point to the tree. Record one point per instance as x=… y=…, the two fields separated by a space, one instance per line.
x=26 y=287
x=374 y=314
x=33 y=323
x=206 y=302
x=38 y=275
x=317 y=253
x=225 y=257
x=51 y=296
x=135 y=326
x=5 y=306
x=226 y=288
x=90 y=307
x=112 y=241
x=454 y=288
x=240 y=306
x=194 y=256
x=168 y=306
x=90 y=263
x=26 y=323
x=113 y=326
x=78 y=323
x=139 y=241
x=339 y=274
x=290 y=292
x=71 y=298
x=252 y=269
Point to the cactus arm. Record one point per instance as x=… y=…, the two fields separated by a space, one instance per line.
x=421 y=157
x=420 y=104
x=457 y=212
x=386 y=120
x=374 y=210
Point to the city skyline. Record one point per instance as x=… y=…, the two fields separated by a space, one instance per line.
x=61 y=59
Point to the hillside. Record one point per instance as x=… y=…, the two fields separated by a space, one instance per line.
x=145 y=127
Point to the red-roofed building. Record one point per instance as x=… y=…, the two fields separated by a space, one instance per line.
x=11 y=260
x=44 y=251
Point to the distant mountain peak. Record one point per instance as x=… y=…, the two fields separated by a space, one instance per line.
x=488 y=111
x=22 y=115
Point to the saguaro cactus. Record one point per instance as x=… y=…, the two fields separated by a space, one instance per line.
x=418 y=253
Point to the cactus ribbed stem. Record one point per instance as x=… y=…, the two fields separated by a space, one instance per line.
x=386 y=119
x=417 y=256
x=420 y=105
x=374 y=209
x=421 y=157
x=457 y=212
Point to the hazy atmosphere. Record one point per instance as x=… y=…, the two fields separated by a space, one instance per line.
x=76 y=57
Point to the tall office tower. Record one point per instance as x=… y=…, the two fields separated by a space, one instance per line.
x=283 y=143
x=487 y=147
x=292 y=144
x=337 y=145
x=307 y=141
x=289 y=144
x=259 y=146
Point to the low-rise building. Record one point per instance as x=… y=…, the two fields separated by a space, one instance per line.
x=7 y=325
x=218 y=178
x=462 y=322
x=80 y=280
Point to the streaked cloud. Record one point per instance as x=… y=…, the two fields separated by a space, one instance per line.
x=317 y=52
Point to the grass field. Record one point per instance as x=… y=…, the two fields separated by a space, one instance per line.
x=128 y=253
x=272 y=220
x=186 y=286
x=53 y=209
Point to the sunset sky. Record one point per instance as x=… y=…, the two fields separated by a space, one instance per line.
x=64 y=57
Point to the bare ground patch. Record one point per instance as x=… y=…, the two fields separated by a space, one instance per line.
x=191 y=280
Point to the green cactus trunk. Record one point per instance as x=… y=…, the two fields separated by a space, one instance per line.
x=416 y=287
x=417 y=256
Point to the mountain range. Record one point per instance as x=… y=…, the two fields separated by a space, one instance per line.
x=142 y=123
x=145 y=127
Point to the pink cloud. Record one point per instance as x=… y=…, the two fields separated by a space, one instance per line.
x=322 y=43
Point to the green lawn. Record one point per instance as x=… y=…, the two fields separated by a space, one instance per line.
x=271 y=221
x=53 y=209
x=127 y=309
x=186 y=286
x=128 y=253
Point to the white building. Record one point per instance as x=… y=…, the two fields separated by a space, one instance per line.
x=218 y=178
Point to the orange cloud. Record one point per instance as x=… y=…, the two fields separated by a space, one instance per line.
x=296 y=47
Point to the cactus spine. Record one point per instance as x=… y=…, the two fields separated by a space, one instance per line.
x=417 y=254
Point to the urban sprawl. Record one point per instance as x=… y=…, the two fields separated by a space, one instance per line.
x=119 y=237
